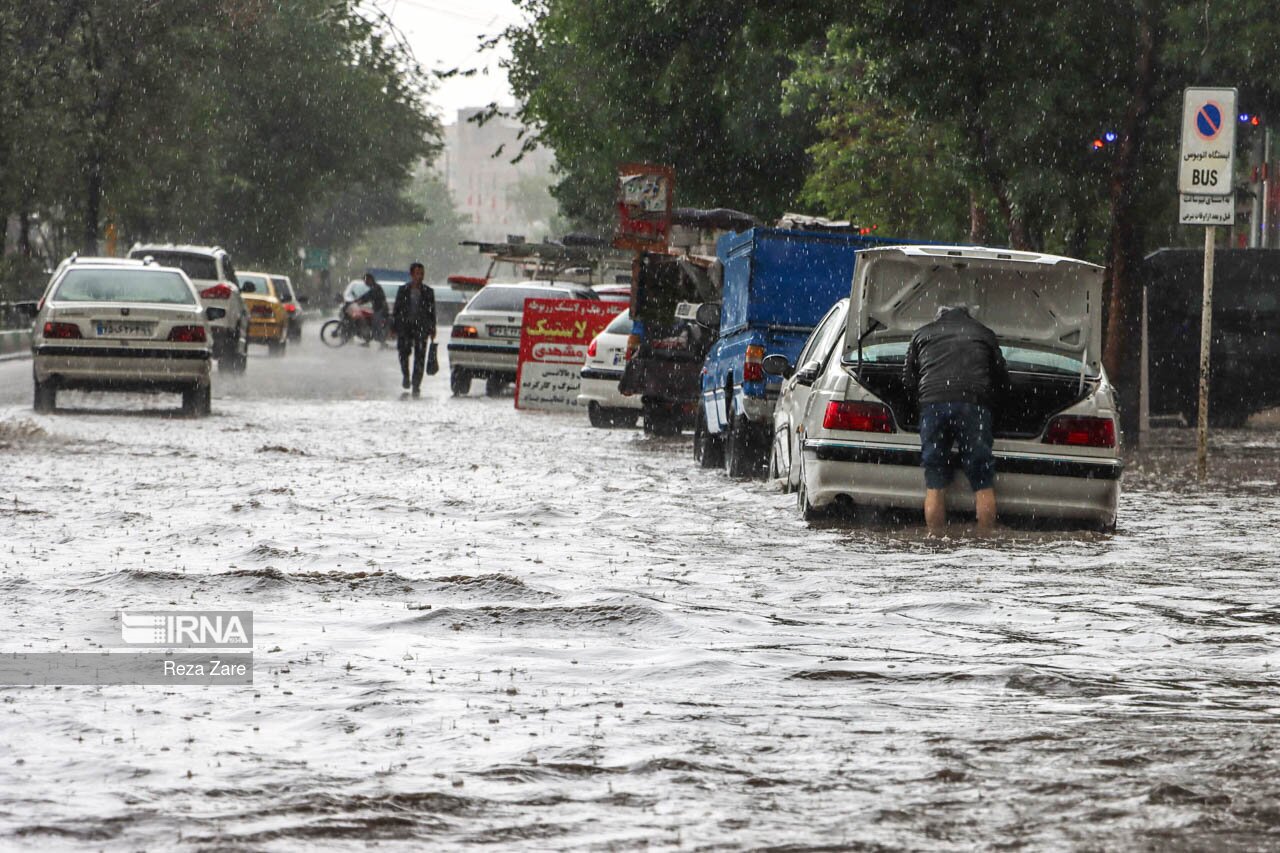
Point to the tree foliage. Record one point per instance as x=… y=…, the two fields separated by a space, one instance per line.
x=252 y=124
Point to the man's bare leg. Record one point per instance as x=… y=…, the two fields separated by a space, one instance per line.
x=985 y=502
x=935 y=510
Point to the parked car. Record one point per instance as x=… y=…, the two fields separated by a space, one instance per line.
x=846 y=431
x=485 y=340
x=268 y=318
x=292 y=305
x=1246 y=314
x=613 y=292
x=211 y=271
x=107 y=324
x=777 y=284
x=606 y=356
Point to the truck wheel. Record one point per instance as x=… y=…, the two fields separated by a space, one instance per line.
x=597 y=416
x=46 y=397
x=625 y=418
x=277 y=348
x=459 y=382
x=708 y=449
x=741 y=453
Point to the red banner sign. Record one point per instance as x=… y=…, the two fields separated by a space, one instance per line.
x=553 y=346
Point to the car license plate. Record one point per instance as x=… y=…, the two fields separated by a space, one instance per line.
x=124 y=329
x=504 y=331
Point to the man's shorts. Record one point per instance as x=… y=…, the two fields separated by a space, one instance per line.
x=965 y=427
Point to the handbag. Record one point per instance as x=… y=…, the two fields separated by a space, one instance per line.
x=433 y=363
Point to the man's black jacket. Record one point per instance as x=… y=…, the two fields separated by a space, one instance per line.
x=956 y=359
x=376 y=297
x=422 y=323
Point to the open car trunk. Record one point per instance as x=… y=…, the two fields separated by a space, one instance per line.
x=1034 y=398
x=1044 y=308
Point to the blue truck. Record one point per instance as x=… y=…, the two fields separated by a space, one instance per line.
x=777 y=285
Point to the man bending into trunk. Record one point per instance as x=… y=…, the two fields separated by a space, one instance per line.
x=955 y=369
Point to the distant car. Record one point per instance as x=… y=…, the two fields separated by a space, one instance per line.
x=211 y=271
x=846 y=431
x=107 y=324
x=292 y=305
x=268 y=318
x=485 y=341
x=606 y=357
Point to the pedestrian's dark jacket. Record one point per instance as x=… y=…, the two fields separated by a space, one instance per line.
x=376 y=297
x=956 y=359
x=420 y=323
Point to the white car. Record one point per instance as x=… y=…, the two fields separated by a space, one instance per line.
x=485 y=340
x=845 y=430
x=109 y=324
x=210 y=270
x=606 y=358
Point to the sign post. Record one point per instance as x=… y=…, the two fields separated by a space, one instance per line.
x=1205 y=171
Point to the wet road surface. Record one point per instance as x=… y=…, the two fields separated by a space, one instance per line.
x=480 y=626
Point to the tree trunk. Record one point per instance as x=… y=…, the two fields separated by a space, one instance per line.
x=1122 y=242
x=24 y=234
x=92 y=200
x=979 y=224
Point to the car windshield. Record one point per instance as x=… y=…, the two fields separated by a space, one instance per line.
x=201 y=267
x=621 y=325
x=282 y=288
x=125 y=285
x=258 y=282
x=1021 y=359
x=512 y=298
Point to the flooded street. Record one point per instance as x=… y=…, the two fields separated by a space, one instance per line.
x=476 y=625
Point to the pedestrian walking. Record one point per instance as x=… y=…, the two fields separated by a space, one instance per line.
x=414 y=317
x=955 y=369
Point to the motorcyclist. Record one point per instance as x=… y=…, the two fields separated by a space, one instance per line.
x=377 y=300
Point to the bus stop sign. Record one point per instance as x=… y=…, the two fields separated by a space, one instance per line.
x=1208 y=142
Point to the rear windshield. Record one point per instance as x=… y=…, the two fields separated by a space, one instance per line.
x=1017 y=358
x=129 y=285
x=259 y=283
x=195 y=266
x=512 y=298
x=621 y=324
x=283 y=290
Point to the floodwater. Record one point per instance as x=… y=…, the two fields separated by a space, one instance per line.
x=476 y=626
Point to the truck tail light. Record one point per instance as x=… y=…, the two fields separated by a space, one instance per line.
x=261 y=311
x=1079 y=431
x=220 y=290
x=633 y=344
x=187 y=334
x=465 y=332
x=857 y=417
x=61 y=330
x=753 y=369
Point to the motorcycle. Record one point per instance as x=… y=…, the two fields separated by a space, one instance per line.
x=353 y=321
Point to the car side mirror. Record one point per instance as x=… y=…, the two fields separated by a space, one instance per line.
x=708 y=315
x=777 y=365
x=212 y=314
x=808 y=374
x=248 y=287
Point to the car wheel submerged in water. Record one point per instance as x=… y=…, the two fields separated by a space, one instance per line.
x=459 y=382
x=708 y=449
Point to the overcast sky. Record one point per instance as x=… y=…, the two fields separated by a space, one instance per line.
x=445 y=34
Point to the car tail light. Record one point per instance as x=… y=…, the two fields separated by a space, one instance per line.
x=753 y=370
x=465 y=332
x=61 y=330
x=218 y=291
x=291 y=308
x=858 y=417
x=261 y=311
x=475 y=280
x=633 y=344
x=591 y=349
x=187 y=334
x=1081 y=431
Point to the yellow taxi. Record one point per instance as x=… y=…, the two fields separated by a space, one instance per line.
x=268 y=317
